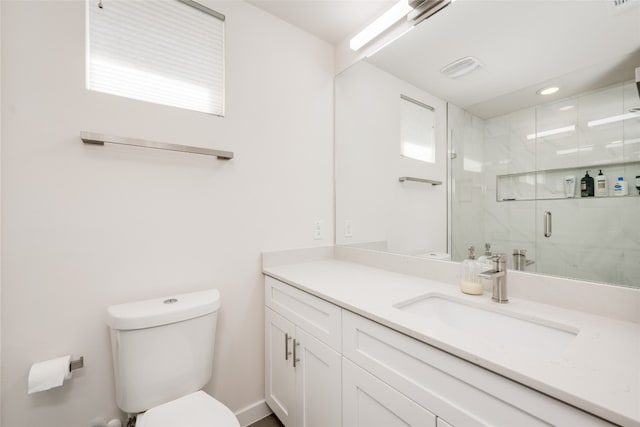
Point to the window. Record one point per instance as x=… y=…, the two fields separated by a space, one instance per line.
x=417 y=130
x=167 y=52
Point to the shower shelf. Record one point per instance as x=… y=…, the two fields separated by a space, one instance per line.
x=547 y=184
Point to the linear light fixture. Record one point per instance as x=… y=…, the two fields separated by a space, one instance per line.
x=387 y=19
x=551 y=132
x=415 y=10
x=612 y=119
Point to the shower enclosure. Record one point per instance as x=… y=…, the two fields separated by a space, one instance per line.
x=507 y=185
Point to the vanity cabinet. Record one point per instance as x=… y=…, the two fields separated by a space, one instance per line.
x=302 y=357
x=455 y=390
x=369 y=402
x=329 y=367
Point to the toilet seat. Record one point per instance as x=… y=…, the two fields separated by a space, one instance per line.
x=193 y=410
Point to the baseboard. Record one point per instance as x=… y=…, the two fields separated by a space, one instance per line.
x=253 y=413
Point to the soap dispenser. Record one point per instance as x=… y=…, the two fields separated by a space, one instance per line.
x=469 y=280
x=601 y=185
x=586 y=186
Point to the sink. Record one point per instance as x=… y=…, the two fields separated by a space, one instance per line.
x=507 y=330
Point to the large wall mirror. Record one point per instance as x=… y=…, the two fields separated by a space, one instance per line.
x=504 y=162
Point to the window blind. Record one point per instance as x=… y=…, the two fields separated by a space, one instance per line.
x=168 y=52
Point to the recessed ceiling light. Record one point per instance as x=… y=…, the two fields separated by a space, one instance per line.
x=548 y=90
x=566 y=108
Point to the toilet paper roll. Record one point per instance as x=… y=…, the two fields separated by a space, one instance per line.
x=48 y=374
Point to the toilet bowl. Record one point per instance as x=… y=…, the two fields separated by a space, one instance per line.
x=193 y=410
x=162 y=357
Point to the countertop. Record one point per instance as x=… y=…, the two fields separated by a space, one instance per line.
x=598 y=371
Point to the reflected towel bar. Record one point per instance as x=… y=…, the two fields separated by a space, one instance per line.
x=426 y=181
x=99 y=139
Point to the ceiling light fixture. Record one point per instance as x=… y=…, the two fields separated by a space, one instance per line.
x=566 y=108
x=612 y=119
x=548 y=90
x=551 y=132
x=416 y=11
x=387 y=19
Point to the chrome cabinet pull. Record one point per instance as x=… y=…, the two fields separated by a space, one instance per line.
x=296 y=343
x=287 y=353
x=547 y=224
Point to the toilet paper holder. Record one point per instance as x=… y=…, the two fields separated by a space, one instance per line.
x=76 y=364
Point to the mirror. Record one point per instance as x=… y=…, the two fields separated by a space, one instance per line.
x=506 y=156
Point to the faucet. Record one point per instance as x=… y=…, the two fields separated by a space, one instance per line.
x=498 y=278
x=520 y=261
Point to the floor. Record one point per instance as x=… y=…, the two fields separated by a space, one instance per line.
x=270 y=421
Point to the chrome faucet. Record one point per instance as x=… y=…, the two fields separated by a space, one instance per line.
x=498 y=278
x=520 y=261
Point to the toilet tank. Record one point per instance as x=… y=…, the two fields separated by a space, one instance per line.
x=162 y=348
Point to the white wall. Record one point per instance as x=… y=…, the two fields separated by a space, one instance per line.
x=411 y=217
x=0 y=213
x=85 y=227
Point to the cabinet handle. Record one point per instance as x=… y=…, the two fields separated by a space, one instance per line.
x=287 y=353
x=296 y=343
x=547 y=224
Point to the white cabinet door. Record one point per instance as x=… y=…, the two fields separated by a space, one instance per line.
x=318 y=383
x=368 y=402
x=279 y=373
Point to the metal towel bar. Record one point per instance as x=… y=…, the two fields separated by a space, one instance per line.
x=100 y=139
x=426 y=181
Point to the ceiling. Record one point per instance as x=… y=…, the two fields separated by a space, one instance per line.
x=523 y=45
x=329 y=20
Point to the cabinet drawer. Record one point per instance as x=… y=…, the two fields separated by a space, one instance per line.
x=368 y=402
x=316 y=316
x=458 y=391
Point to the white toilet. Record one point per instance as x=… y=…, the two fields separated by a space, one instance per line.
x=162 y=356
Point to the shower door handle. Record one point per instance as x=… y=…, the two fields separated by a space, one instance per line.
x=547 y=224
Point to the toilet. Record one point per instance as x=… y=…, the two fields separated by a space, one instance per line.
x=162 y=356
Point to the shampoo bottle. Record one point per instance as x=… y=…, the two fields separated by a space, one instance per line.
x=469 y=280
x=620 y=188
x=586 y=186
x=601 y=185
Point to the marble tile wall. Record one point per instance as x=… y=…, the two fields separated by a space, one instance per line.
x=593 y=238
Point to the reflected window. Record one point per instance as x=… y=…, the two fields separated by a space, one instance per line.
x=417 y=130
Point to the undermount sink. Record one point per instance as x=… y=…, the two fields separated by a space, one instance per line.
x=508 y=330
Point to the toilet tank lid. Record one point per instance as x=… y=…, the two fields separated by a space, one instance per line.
x=162 y=311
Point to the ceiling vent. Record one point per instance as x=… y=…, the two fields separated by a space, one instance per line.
x=461 y=67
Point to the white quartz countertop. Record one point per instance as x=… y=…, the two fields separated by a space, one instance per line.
x=598 y=371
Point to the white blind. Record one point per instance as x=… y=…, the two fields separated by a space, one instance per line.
x=162 y=51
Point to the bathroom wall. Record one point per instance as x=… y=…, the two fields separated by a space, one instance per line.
x=0 y=213
x=85 y=226
x=368 y=165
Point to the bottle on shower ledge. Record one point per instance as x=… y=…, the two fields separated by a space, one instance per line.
x=586 y=186
x=602 y=189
